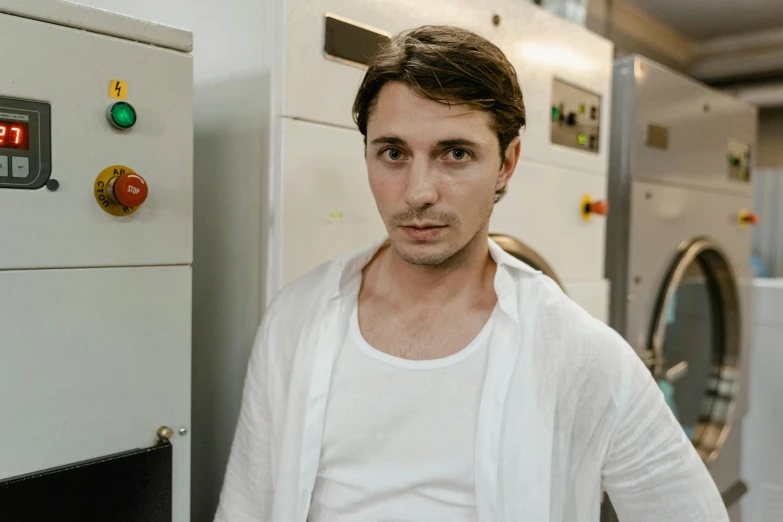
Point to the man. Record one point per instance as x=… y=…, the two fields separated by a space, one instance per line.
x=433 y=377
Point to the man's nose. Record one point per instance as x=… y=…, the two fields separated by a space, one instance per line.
x=421 y=190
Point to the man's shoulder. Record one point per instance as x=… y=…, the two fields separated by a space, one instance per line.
x=571 y=338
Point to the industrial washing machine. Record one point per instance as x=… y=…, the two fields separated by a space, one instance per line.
x=320 y=201
x=96 y=219
x=679 y=250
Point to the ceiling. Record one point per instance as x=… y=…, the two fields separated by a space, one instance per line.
x=705 y=19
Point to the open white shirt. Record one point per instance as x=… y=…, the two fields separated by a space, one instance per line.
x=566 y=409
x=399 y=434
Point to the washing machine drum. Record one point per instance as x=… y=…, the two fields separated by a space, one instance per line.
x=525 y=254
x=695 y=343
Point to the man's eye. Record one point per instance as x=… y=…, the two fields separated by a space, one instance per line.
x=393 y=154
x=459 y=154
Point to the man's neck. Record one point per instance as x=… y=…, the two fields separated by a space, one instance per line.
x=467 y=278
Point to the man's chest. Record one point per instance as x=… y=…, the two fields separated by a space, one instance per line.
x=398 y=436
x=420 y=335
x=389 y=418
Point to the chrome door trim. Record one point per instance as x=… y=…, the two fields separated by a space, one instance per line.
x=722 y=285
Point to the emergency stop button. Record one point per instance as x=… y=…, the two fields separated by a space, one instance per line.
x=120 y=191
x=590 y=207
x=128 y=190
x=748 y=218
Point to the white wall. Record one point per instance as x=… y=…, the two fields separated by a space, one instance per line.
x=230 y=138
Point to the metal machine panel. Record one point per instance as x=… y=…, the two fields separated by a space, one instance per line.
x=593 y=296
x=576 y=117
x=66 y=228
x=328 y=208
x=725 y=470
x=93 y=362
x=542 y=208
x=685 y=133
x=540 y=45
x=95 y=307
x=662 y=219
x=80 y=17
x=678 y=249
x=665 y=217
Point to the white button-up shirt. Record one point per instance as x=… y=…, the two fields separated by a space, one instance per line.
x=567 y=410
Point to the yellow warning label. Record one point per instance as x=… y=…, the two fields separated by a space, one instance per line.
x=118 y=89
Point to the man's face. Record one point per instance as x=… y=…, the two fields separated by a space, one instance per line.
x=434 y=170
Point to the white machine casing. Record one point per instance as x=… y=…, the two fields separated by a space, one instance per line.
x=763 y=426
x=662 y=197
x=320 y=201
x=95 y=310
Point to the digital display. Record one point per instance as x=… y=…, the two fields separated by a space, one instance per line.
x=14 y=135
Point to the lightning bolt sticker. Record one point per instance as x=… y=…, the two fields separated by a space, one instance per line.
x=118 y=89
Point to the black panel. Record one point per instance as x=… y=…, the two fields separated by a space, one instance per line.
x=38 y=116
x=129 y=487
x=734 y=493
x=350 y=42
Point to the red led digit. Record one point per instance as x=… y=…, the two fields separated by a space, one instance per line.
x=14 y=135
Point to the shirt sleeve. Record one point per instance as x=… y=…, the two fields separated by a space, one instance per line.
x=652 y=472
x=247 y=488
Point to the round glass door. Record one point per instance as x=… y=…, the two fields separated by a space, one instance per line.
x=525 y=254
x=695 y=343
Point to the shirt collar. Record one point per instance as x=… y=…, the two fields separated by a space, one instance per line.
x=349 y=267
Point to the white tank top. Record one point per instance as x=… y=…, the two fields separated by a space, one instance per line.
x=399 y=435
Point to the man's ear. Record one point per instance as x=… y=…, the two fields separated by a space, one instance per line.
x=509 y=165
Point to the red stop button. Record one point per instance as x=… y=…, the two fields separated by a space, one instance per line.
x=600 y=207
x=130 y=189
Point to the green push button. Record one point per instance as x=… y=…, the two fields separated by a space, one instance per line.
x=122 y=115
x=555 y=113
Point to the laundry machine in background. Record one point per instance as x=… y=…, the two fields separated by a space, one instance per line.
x=679 y=250
x=320 y=201
x=96 y=185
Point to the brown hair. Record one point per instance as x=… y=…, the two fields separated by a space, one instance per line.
x=448 y=65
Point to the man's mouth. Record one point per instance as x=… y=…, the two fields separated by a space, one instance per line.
x=423 y=231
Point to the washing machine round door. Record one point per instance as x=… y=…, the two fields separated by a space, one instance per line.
x=695 y=343
x=525 y=254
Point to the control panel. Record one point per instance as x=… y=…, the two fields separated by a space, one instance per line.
x=738 y=161
x=96 y=168
x=25 y=143
x=96 y=206
x=576 y=117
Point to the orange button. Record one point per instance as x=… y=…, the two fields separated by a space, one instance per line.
x=751 y=219
x=600 y=207
x=130 y=190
